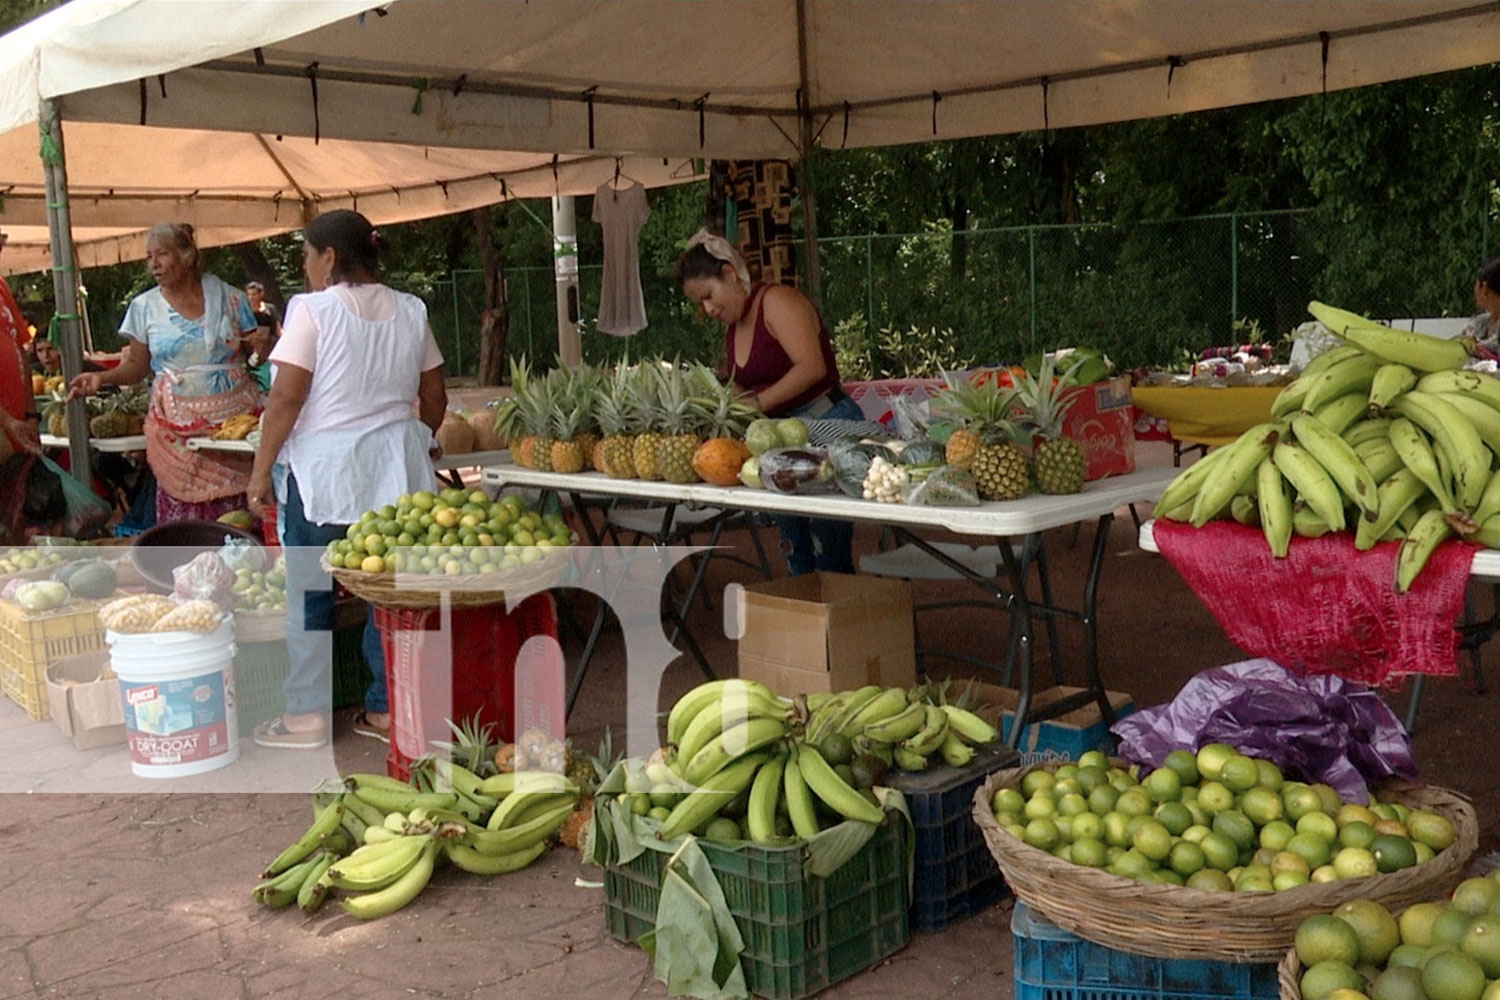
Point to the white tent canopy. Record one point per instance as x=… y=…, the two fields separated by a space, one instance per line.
x=710 y=77
x=235 y=187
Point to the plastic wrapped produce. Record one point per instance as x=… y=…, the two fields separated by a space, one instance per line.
x=206 y=578
x=945 y=486
x=797 y=470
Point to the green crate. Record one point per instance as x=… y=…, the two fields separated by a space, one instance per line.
x=260 y=669
x=802 y=933
x=351 y=675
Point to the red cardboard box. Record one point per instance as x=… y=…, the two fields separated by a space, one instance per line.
x=1102 y=420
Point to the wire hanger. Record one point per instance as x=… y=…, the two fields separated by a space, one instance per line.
x=614 y=185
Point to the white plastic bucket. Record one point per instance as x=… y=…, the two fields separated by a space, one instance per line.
x=177 y=689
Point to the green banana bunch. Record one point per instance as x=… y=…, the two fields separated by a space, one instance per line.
x=835 y=792
x=732 y=708
x=314 y=891
x=324 y=826
x=695 y=701
x=542 y=790
x=375 y=866
x=282 y=890
x=800 y=807
x=903 y=725
x=889 y=703
x=699 y=806
x=765 y=794
x=929 y=738
x=1432 y=528
x=730 y=745
x=385 y=901
x=391 y=795
x=1416 y=351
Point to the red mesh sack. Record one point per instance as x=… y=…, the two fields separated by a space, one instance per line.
x=1326 y=608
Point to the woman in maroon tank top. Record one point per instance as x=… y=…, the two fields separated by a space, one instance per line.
x=778 y=353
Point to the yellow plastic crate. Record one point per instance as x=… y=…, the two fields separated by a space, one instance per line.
x=31 y=642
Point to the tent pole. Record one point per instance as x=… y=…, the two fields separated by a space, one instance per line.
x=64 y=282
x=565 y=262
x=804 y=167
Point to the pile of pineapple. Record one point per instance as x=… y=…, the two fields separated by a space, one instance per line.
x=649 y=421
x=118 y=415
x=1012 y=436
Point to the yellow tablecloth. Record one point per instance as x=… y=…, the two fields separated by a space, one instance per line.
x=1210 y=416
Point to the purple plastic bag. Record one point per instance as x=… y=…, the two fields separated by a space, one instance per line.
x=1321 y=728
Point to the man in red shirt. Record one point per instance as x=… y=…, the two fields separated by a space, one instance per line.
x=15 y=383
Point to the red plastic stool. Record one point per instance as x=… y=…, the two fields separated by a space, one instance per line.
x=473 y=673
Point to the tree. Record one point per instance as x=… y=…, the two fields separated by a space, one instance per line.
x=494 y=322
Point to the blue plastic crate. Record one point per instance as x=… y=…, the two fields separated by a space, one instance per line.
x=954 y=873
x=1052 y=964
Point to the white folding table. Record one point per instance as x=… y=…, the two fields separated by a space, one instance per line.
x=1024 y=518
x=131 y=442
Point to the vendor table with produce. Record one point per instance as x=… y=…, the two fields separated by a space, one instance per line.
x=1212 y=415
x=1026 y=518
x=445 y=463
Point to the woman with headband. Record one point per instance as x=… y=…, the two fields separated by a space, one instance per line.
x=779 y=356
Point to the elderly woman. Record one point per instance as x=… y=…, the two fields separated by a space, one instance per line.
x=349 y=427
x=187 y=331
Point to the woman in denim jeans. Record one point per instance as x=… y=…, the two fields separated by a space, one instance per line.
x=779 y=356
x=349 y=426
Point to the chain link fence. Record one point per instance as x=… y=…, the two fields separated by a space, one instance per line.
x=1146 y=293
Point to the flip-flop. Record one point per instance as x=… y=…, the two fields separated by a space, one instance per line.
x=276 y=735
x=364 y=727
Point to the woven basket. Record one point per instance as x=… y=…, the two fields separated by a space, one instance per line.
x=266 y=625
x=1166 y=921
x=1289 y=975
x=417 y=590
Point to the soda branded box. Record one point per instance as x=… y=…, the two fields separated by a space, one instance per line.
x=1102 y=420
x=826 y=632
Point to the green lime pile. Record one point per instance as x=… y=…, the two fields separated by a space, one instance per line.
x=18 y=560
x=453 y=532
x=1432 y=951
x=255 y=590
x=1215 y=820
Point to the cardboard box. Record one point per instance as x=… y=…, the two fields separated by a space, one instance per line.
x=86 y=707
x=1066 y=737
x=1102 y=420
x=826 y=632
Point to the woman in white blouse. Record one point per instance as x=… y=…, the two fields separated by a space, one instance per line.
x=342 y=436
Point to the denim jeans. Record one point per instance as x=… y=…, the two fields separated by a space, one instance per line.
x=309 y=640
x=810 y=543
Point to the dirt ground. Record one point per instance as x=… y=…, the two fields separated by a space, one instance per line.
x=110 y=896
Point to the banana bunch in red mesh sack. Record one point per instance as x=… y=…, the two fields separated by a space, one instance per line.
x=1387 y=437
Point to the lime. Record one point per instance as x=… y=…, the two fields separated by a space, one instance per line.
x=1431 y=829
x=1186 y=858
x=1090 y=778
x=1482 y=943
x=1416 y=923
x=1351 y=812
x=1357 y=833
x=1042 y=834
x=1035 y=781
x=1324 y=938
x=1393 y=827
x=1211 y=758
x=1195 y=833
x=1087 y=826
x=1406 y=956
x=1041 y=806
x=1255 y=878
x=1354 y=862
x=1320 y=825
x=1393 y=853
x=1008 y=800
x=1132 y=864
x=1476 y=896
x=1215 y=797
x=837 y=749
x=1176 y=817
x=1299 y=801
x=1133 y=803
x=1450 y=927
x=1219 y=851
x=1210 y=880
x=664 y=795
x=1237 y=827
x=1452 y=975
x=1239 y=773
x=1270 y=775
x=1116 y=829
x=1398 y=983
x=1262 y=805
x=1184 y=764
x=1089 y=852
x=1314 y=849
x=1289 y=861
x=1163 y=785
x=1093 y=758
x=1328 y=797
x=1275 y=834
x=1153 y=840
x=1102 y=800
x=1377 y=930
x=659 y=813
x=723 y=830
x=1282 y=881
x=1324 y=873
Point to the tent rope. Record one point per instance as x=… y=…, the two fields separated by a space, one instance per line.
x=1173 y=62
x=421 y=86
x=845 y=144
x=936 y=97
x=312 y=76
x=588 y=95
x=1325 y=38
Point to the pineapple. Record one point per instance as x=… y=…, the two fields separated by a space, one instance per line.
x=615 y=454
x=644 y=415
x=1058 y=460
x=565 y=417
x=113 y=420
x=56 y=415
x=587 y=772
x=679 y=418
x=537 y=418
x=510 y=415
x=967 y=405
x=1001 y=468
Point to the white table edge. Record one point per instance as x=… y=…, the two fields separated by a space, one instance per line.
x=131 y=442
x=1033 y=513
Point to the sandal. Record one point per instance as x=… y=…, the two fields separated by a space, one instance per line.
x=364 y=727
x=276 y=735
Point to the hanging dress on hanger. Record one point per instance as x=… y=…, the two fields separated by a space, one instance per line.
x=621 y=214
